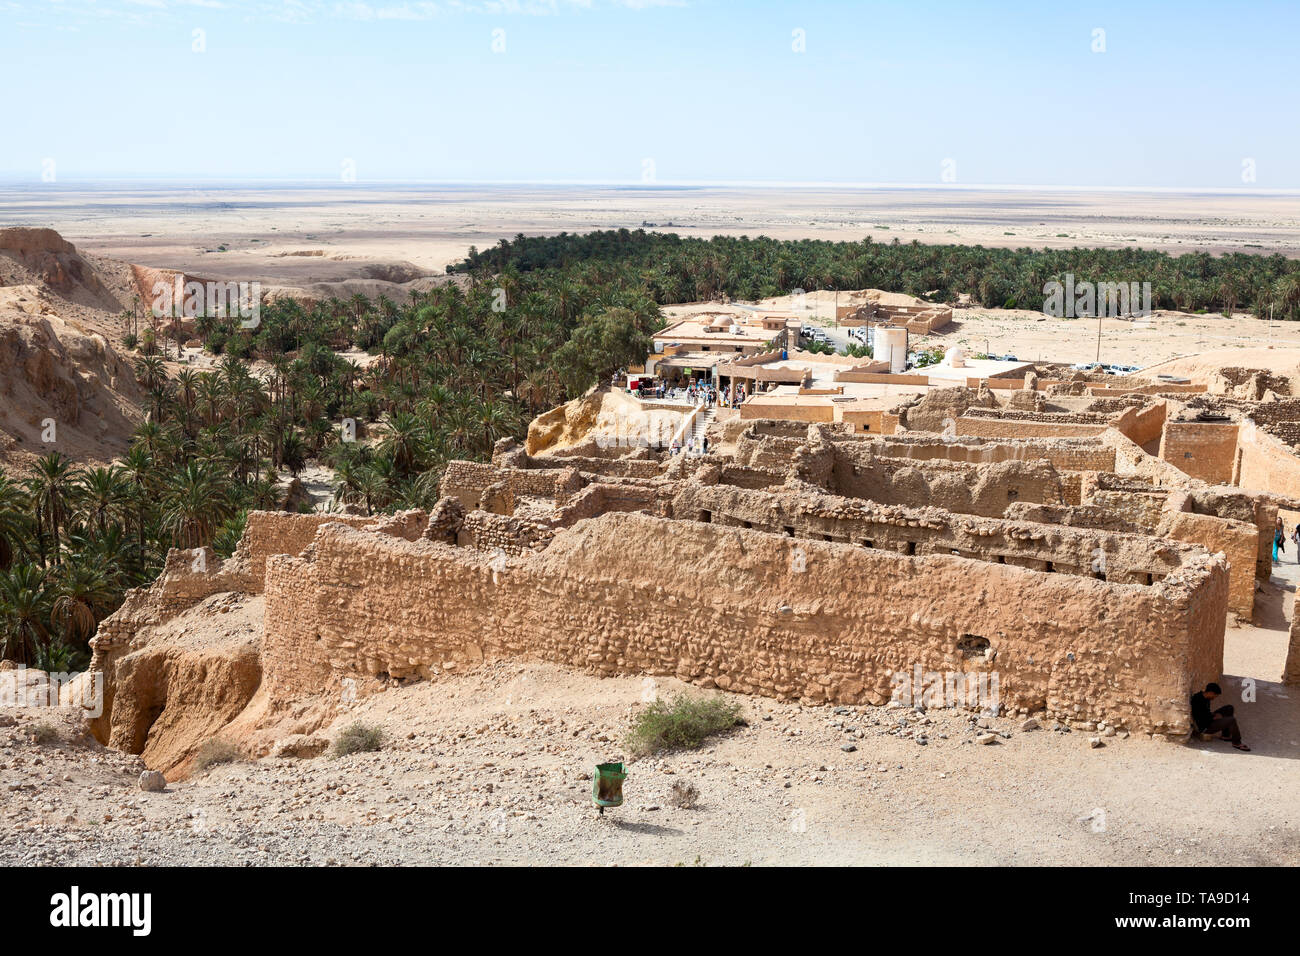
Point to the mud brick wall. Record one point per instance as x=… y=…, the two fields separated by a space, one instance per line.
x=604 y=467
x=1237 y=541
x=1071 y=487
x=1069 y=455
x=1051 y=418
x=466 y=481
x=731 y=611
x=1265 y=463
x=1016 y=428
x=489 y=532
x=599 y=498
x=273 y=532
x=1291 y=669
x=743 y=477
x=1144 y=509
x=1271 y=413
x=1204 y=450
x=1142 y=424
x=1285 y=432
x=956 y=486
x=915 y=531
x=768 y=452
x=1074 y=516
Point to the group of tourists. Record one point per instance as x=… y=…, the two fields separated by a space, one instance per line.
x=692 y=446
x=710 y=396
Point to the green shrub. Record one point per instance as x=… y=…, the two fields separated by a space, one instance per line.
x=215 y=751
x=358 y=738
x=680 y=724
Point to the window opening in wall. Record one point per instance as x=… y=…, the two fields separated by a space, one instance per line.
x=706 y=516
x=868 y=543
x=748 y=524
x=827 y=537
x=1150 y=578
x=1050 y=567
x=789 y=531
x=1002 y=559
x=911 y=548
x=1099 y=575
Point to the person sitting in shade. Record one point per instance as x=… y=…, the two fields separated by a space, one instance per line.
x=1221 y=721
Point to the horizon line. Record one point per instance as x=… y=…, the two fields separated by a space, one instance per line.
x=646 y=185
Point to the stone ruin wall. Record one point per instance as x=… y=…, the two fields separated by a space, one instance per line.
x=1050 y=418
x=1072 y=454
x=919 y=531
x=1236 y=540
x=1204 y=450
x=189 y=577
x=969 y=425
x=955 y=486
x=730 y=611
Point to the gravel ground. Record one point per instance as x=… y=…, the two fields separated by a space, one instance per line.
x=495 y=767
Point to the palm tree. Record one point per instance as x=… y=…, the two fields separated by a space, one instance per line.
x=194 y=506
x=82 y=591
x=13 y=519
x=372 y=488
x=25 y=604
x=104 y=494
x=404 y=443
x=50 y=490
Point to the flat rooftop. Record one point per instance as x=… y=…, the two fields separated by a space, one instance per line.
x=695 y=332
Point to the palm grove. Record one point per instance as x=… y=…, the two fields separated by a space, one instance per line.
x=521 y=327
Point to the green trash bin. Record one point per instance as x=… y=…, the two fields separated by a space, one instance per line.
x=607 y=785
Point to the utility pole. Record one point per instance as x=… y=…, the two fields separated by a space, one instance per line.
x=1098 y=336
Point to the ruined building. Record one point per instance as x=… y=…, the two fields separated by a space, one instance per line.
x=1070 y=552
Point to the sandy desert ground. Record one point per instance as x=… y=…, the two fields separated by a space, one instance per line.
x=493 y=767
x=291 y=234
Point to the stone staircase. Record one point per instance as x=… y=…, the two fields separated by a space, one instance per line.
x=701 y=426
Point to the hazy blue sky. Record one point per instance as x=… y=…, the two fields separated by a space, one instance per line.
x=1011 y=93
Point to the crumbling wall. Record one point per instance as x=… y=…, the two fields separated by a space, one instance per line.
x=1204 y=450
x=746 y=611
x=502 y=534
x=1064 y=455
x=1236 y=540
x=1023 y=428
x=273 y=532
x=939 y=408
x=1141 y=424
x=466 y=481
x=806 y=513
x=956 y=486
x=1264 y=463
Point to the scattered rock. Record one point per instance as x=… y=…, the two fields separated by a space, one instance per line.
x=152 y=781
x=301 y=746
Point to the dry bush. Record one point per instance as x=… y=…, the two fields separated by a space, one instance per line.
x=358 y=738
x=45 y=733
x=214 y=751
x=683 y=795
